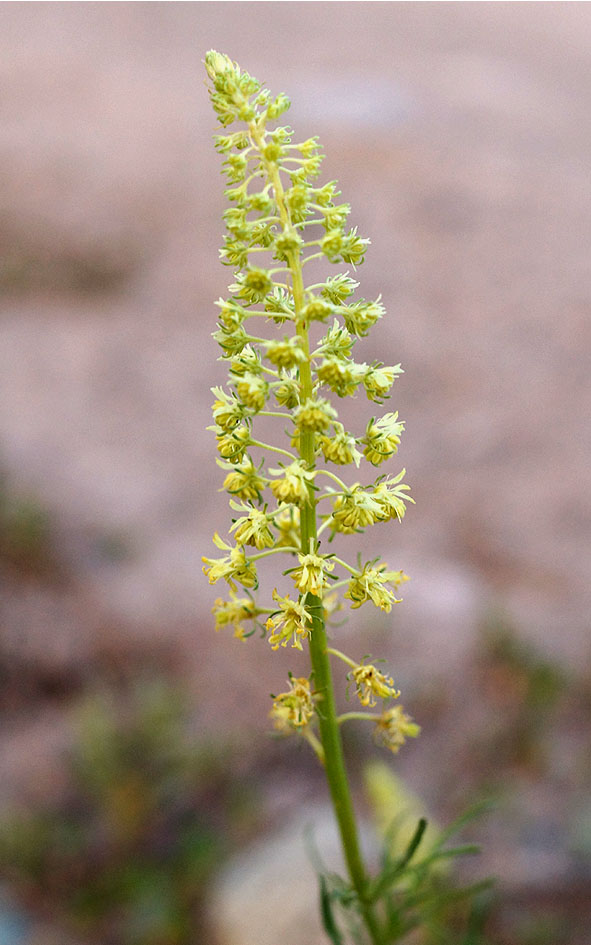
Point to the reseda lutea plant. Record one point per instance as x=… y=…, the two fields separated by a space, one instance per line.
x=277 y=222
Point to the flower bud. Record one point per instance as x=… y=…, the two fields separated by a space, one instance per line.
x=287 y=243
x=286 y=353
x=252 y=391
x=278 y=106
x=218 y=64
x=244 y=481
x=315 y=415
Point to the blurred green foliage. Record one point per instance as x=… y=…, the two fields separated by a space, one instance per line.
x=415 y=893
x=526 y=692
x=150 y=812
x=87 y=270
x=25 y=533
x=534 y=743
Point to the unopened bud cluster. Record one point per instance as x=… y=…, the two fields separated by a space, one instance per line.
x=278 y=219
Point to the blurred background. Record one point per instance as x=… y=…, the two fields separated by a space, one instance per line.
x=142 y=799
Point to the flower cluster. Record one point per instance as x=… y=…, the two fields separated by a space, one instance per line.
x=291 y=622
x=234 y=612
x=370 y=682
x=279 y=217
x=370 y=584
x=393 y=727
x=293 y=709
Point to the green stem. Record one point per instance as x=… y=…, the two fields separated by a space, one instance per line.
x=310 y=258
x=345 y=565
x=274 y=413
x=342 y=657
x=330 y=735
x=275 y=449
x=315 y=745
x=339 y=482
x=273 y=551
x=348 y=716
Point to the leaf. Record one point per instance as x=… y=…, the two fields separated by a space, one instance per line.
x=479 y=914
x=328 y=921
x=391 y=871
x=472 y=813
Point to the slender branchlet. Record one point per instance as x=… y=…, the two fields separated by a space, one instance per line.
x=279 y=219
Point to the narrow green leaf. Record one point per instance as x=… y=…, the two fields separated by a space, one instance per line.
x=328 y=921
x=477 y=810
x=388 y=875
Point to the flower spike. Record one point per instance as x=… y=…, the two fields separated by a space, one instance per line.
x=289 y=346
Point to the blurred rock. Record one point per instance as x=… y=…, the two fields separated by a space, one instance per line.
x=270 y=893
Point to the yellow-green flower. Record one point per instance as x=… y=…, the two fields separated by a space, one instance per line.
x=253 y=529
x=310 y=577
x=361 y=316
x=279 y=304
x=253 y=284
x=342 y=375
x=235 y=167
x=394 y=727
x=234 y=253
x=252 y=391
x=231 y=340
x=244 y=481
x=233 y=567
x=382 y=438
x=296 y=198
x=231 y=313
x=339 y=288
x=391 y=495
x=232 y=90
x=247 y=362
x=355 y=509
x=232 y=445
x=227 y=411
x=289 y=241
x=272 y=152
x=262 y=201
x=218 y=64
x=353 y=250
x=287 y=353
x=335 y=217
x=340 y=448
x=337 y=342
x=287 y=393
x=316 y=415
x=332 y=244
x=316 y=310
x=291 y=622
x=293 y=486
x=379 y=379
x=288 y=524
x=369 y=585
x=293 y=710
x=234 y=612
x=369 y=682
